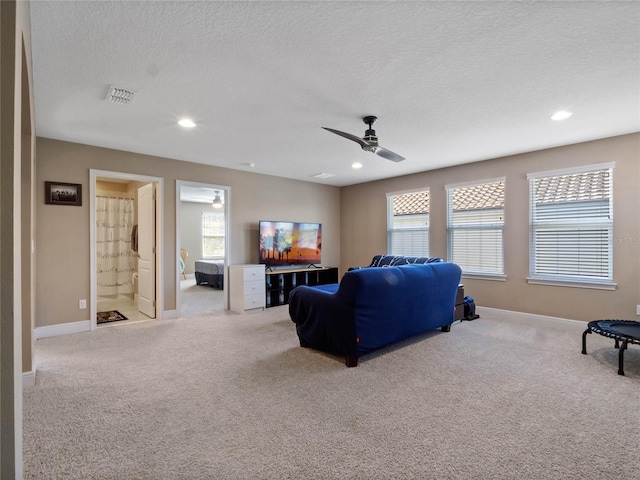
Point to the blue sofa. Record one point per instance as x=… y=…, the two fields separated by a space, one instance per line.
x=374 y=307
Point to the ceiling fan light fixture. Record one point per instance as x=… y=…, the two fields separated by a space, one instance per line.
x=217 y=201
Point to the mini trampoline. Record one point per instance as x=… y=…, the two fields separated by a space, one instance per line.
x=625 y=331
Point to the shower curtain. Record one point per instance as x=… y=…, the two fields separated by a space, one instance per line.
x=116 y=262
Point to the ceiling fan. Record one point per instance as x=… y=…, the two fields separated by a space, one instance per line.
x=369 y=142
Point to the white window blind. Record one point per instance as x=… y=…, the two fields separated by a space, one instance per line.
x=571 y=225
x=408 y=224
x=213 y=234
x=475 y=227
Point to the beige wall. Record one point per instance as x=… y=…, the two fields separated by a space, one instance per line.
x=354 y=223
x=63 y=231
x=363 y=228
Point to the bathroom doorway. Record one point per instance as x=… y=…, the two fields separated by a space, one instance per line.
x=125 y=221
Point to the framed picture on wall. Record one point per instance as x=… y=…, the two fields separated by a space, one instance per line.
x=60 y=193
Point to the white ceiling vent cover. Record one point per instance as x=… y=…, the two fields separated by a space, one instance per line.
x=323 y=175
x=120 y=96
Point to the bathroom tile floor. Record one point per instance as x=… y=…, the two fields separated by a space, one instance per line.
x=126 y=307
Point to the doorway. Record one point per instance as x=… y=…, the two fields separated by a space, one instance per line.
x=126 y=218
x=202 y=248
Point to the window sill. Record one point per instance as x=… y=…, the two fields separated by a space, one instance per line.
x=572 y=283
x=486 y=276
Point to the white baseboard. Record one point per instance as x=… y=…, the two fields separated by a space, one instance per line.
x=499 y=314
x=78 y=327
x=62 y=329
x=28 y=379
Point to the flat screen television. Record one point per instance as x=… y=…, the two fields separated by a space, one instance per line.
x=290 y=243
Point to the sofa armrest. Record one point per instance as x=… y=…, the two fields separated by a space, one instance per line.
x=323 y=320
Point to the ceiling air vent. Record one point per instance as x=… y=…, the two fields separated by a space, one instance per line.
x=120 y=96
x=323 y=175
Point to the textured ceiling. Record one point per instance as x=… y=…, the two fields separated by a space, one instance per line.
x=451 y=82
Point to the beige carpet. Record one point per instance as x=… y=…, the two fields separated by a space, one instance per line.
x=198 y=300
x=235 y=397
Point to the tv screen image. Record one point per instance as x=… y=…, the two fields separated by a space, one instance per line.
x=290 y=243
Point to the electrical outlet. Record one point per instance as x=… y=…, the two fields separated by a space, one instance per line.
x=82 y=304
x=637 y=309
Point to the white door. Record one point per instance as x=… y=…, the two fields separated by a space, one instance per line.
x=147 y=250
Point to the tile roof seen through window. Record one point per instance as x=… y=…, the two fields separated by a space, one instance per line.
x=561 y=188
x=411 y=203
x=573 y=187
x=478 y=197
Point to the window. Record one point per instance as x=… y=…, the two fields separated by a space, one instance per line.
x=408 y=224
x=213 y=234
x=475 y=227
x=571 y=226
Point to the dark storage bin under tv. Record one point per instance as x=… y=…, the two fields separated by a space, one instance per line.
x=280 y=282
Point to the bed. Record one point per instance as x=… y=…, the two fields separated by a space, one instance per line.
x=210 y=272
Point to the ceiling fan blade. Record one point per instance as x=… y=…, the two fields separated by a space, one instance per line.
x=388 y=154
x=358 y=140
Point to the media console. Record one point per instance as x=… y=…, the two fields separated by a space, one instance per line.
x=280 y=282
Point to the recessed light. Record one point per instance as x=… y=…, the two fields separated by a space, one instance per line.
x=356 y=165
x=186 y=122
x=561 y=115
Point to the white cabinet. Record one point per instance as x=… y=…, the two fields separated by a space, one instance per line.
x=246 y=287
